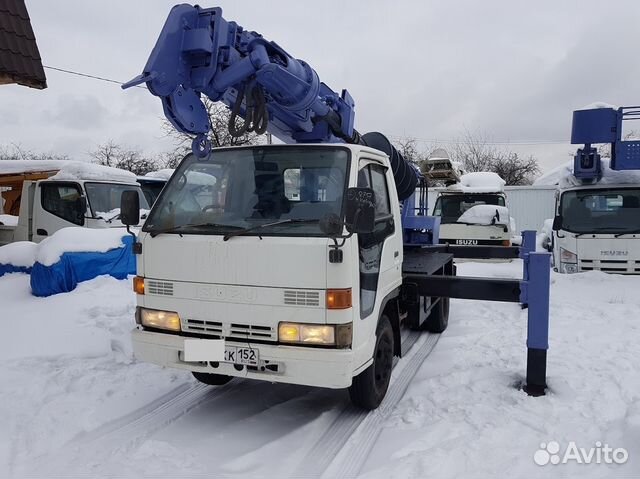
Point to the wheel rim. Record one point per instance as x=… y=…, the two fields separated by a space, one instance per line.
x=382 y=363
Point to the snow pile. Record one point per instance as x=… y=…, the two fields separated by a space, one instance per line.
x=163 y=174
x=596 y=105
x=562 y=176
x=485 y=215
x=8 y=220
x=20 y=254
x=479 y=182
x=78 y=404
x=30 y=166
x=78 y=240
x=75 y=170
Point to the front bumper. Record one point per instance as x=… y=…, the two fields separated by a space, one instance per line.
x=330 y=368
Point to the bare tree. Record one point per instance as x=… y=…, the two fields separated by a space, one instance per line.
x=117 y=156
x=17 y=152
x=409 y=149
x=219 y=135
x=475 y=153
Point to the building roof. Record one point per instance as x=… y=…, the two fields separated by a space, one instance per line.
x=20 y=60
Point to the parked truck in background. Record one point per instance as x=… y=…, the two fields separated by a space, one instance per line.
x=474 y=212
x=597 y=227
x=597 y=216
x=42 y=198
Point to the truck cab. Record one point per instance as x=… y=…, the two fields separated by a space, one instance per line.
x=48 y=205
x=237 y=253
x=597 y=227
x=473 y=218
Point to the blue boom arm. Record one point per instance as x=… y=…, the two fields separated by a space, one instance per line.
x=603 y=125
x=200 y=53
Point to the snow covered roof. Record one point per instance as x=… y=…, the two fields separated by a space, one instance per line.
x=562 y=176
x=76 y=170
x=479 y=182
x=163 y=174
x=596 y=105
x=68 y=170
x=8 y=167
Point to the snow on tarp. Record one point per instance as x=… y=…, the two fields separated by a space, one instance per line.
x=76 y=170
x=479 y=182
x=562 y=176
x=8 y=220
x=73 y=255
x=485 y=215
x=17 y=257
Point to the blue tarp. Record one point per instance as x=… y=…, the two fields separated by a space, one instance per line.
x=9 y=268
x=72 y=268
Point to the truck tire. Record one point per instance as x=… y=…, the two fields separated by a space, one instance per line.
x=370 y=386
x=212 y=379
x=438 y=318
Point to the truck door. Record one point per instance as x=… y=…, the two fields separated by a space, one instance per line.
x=377 y=256
x=56 y=205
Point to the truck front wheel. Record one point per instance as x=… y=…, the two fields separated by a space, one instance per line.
x=370 y=386
x=212 y=379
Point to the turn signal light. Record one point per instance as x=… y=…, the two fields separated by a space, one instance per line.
x=506 y=242
x=138 y=284
x=339 y=298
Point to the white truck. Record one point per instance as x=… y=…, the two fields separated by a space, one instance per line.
x=40 y=198
x=290 y=297
x=473 y=212
x=597 y=227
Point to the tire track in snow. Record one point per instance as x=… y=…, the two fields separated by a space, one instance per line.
x=351 y=459
x=322 y=456
x=154 y=416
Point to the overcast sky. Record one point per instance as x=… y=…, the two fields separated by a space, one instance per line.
x=512 y=70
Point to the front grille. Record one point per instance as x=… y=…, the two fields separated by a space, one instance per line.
x=229 y=330
x=301 y=297
x=161 y=288
x=619 y=266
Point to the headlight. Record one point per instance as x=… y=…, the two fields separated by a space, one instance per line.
x=317 y=334
x=153 y=318
x=567 y=256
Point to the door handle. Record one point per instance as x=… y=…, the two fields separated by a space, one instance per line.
x=396 y=254
x=42 y=232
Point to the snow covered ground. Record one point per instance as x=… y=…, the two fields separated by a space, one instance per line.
x=74 y=401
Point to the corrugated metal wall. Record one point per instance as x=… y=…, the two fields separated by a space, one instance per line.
x=528 y=205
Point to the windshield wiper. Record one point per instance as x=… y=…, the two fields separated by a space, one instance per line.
x=174 y=229
x=617 y=235
x=228 y=236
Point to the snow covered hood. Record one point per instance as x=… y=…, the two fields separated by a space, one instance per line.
x=479 y=182
x=485 y=215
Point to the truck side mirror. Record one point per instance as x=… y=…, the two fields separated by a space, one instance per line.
x=557 y=223
x=130 y=208
x=360 y=210
x=81 y=209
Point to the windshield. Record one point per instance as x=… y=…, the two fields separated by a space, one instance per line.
x=451 y=207
x=242 y=188
x=601 y=211
x=104 y=198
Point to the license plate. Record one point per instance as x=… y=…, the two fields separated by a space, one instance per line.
x=236 y=355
